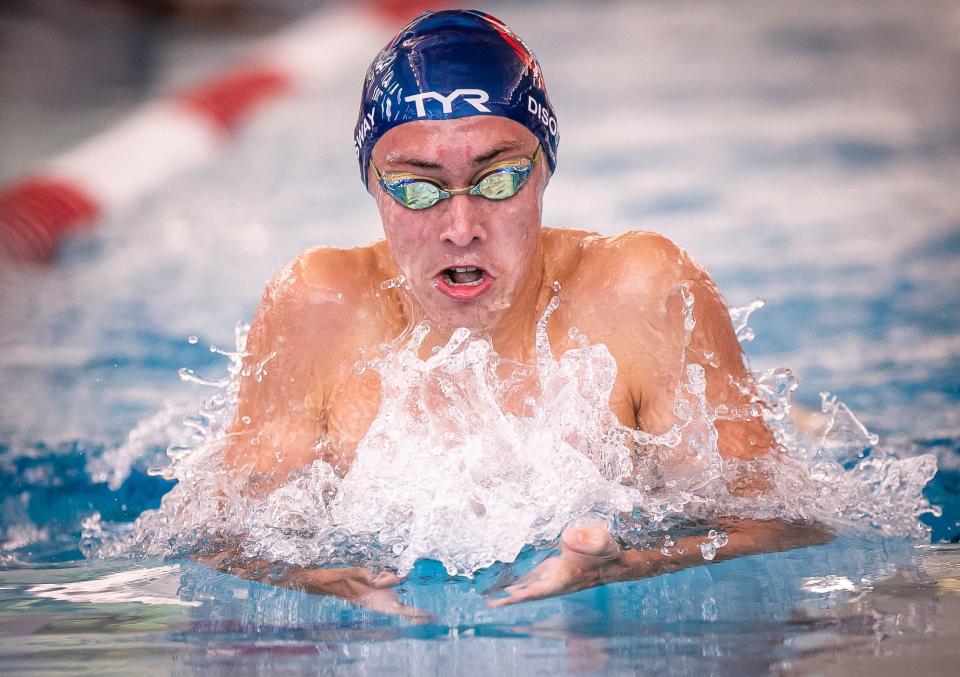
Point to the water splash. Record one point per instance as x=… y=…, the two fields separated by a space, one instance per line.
x=740 y=317
x=459 y=468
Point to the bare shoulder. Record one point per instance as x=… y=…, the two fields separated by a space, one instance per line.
x=302 y=331
x=335 y=282
x=317 y=297
x=323 y=275
x=637 y=266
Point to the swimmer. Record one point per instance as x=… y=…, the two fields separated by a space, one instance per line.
x=457 y=141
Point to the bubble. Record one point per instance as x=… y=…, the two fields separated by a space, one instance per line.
x=709 y=609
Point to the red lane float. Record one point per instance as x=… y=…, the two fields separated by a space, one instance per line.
x=227 y=100
x=115 y=169
x=34 y=213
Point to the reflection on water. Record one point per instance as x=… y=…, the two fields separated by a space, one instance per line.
x=872 y=603
x=157 y=585
x=907 y=621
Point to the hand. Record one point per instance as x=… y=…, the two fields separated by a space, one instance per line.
x=357 y=585
x=588 y=557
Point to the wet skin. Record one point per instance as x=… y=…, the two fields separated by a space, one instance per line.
x=326 y=310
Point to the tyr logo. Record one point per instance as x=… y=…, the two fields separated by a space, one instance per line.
x=475 y=97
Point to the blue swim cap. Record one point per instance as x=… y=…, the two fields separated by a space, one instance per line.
x=454 y=64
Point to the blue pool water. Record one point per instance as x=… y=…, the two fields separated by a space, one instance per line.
x=808 y=155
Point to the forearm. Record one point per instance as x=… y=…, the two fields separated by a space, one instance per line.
x=744 y=537
x=346 y=582
x=231 y=562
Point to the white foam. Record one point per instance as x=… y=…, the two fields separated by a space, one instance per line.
x=450 y=471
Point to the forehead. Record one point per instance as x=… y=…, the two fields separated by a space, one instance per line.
x=444 y=142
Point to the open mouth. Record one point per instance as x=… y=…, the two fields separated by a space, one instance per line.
x=463 y=283
x=463 y=277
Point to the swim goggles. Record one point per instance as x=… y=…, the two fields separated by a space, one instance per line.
x=498 y=182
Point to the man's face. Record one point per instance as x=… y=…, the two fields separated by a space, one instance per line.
x=494 y=244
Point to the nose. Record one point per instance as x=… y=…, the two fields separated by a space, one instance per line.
x=463 y=222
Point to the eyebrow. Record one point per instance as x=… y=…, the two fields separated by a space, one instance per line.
x=398 y=158
x=501 y=148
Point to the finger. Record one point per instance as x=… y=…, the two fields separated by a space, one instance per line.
x=374 y=579
x=527 y=593
x=386 y=602
x=549 y=569
x=546 y=580
x=386 y=579
x=593 y=540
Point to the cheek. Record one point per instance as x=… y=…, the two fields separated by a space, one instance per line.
x=519 y=228
x=405 y=232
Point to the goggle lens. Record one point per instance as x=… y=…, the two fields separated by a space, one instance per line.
x=499 y=184
x=419 y=195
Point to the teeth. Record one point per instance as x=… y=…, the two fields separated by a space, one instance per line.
x=464 y=276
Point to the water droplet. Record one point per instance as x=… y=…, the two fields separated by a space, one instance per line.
x=393 y=282
x=556 y=286
x=193 y=340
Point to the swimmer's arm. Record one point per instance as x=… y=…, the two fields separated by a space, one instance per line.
x=589 y=556
x=357 y=585
x=660 y=273
x=280 y=400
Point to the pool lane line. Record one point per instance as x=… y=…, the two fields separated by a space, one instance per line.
x=161 y=139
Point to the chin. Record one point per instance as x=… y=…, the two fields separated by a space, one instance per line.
x=475 y=315
x=482 y=313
